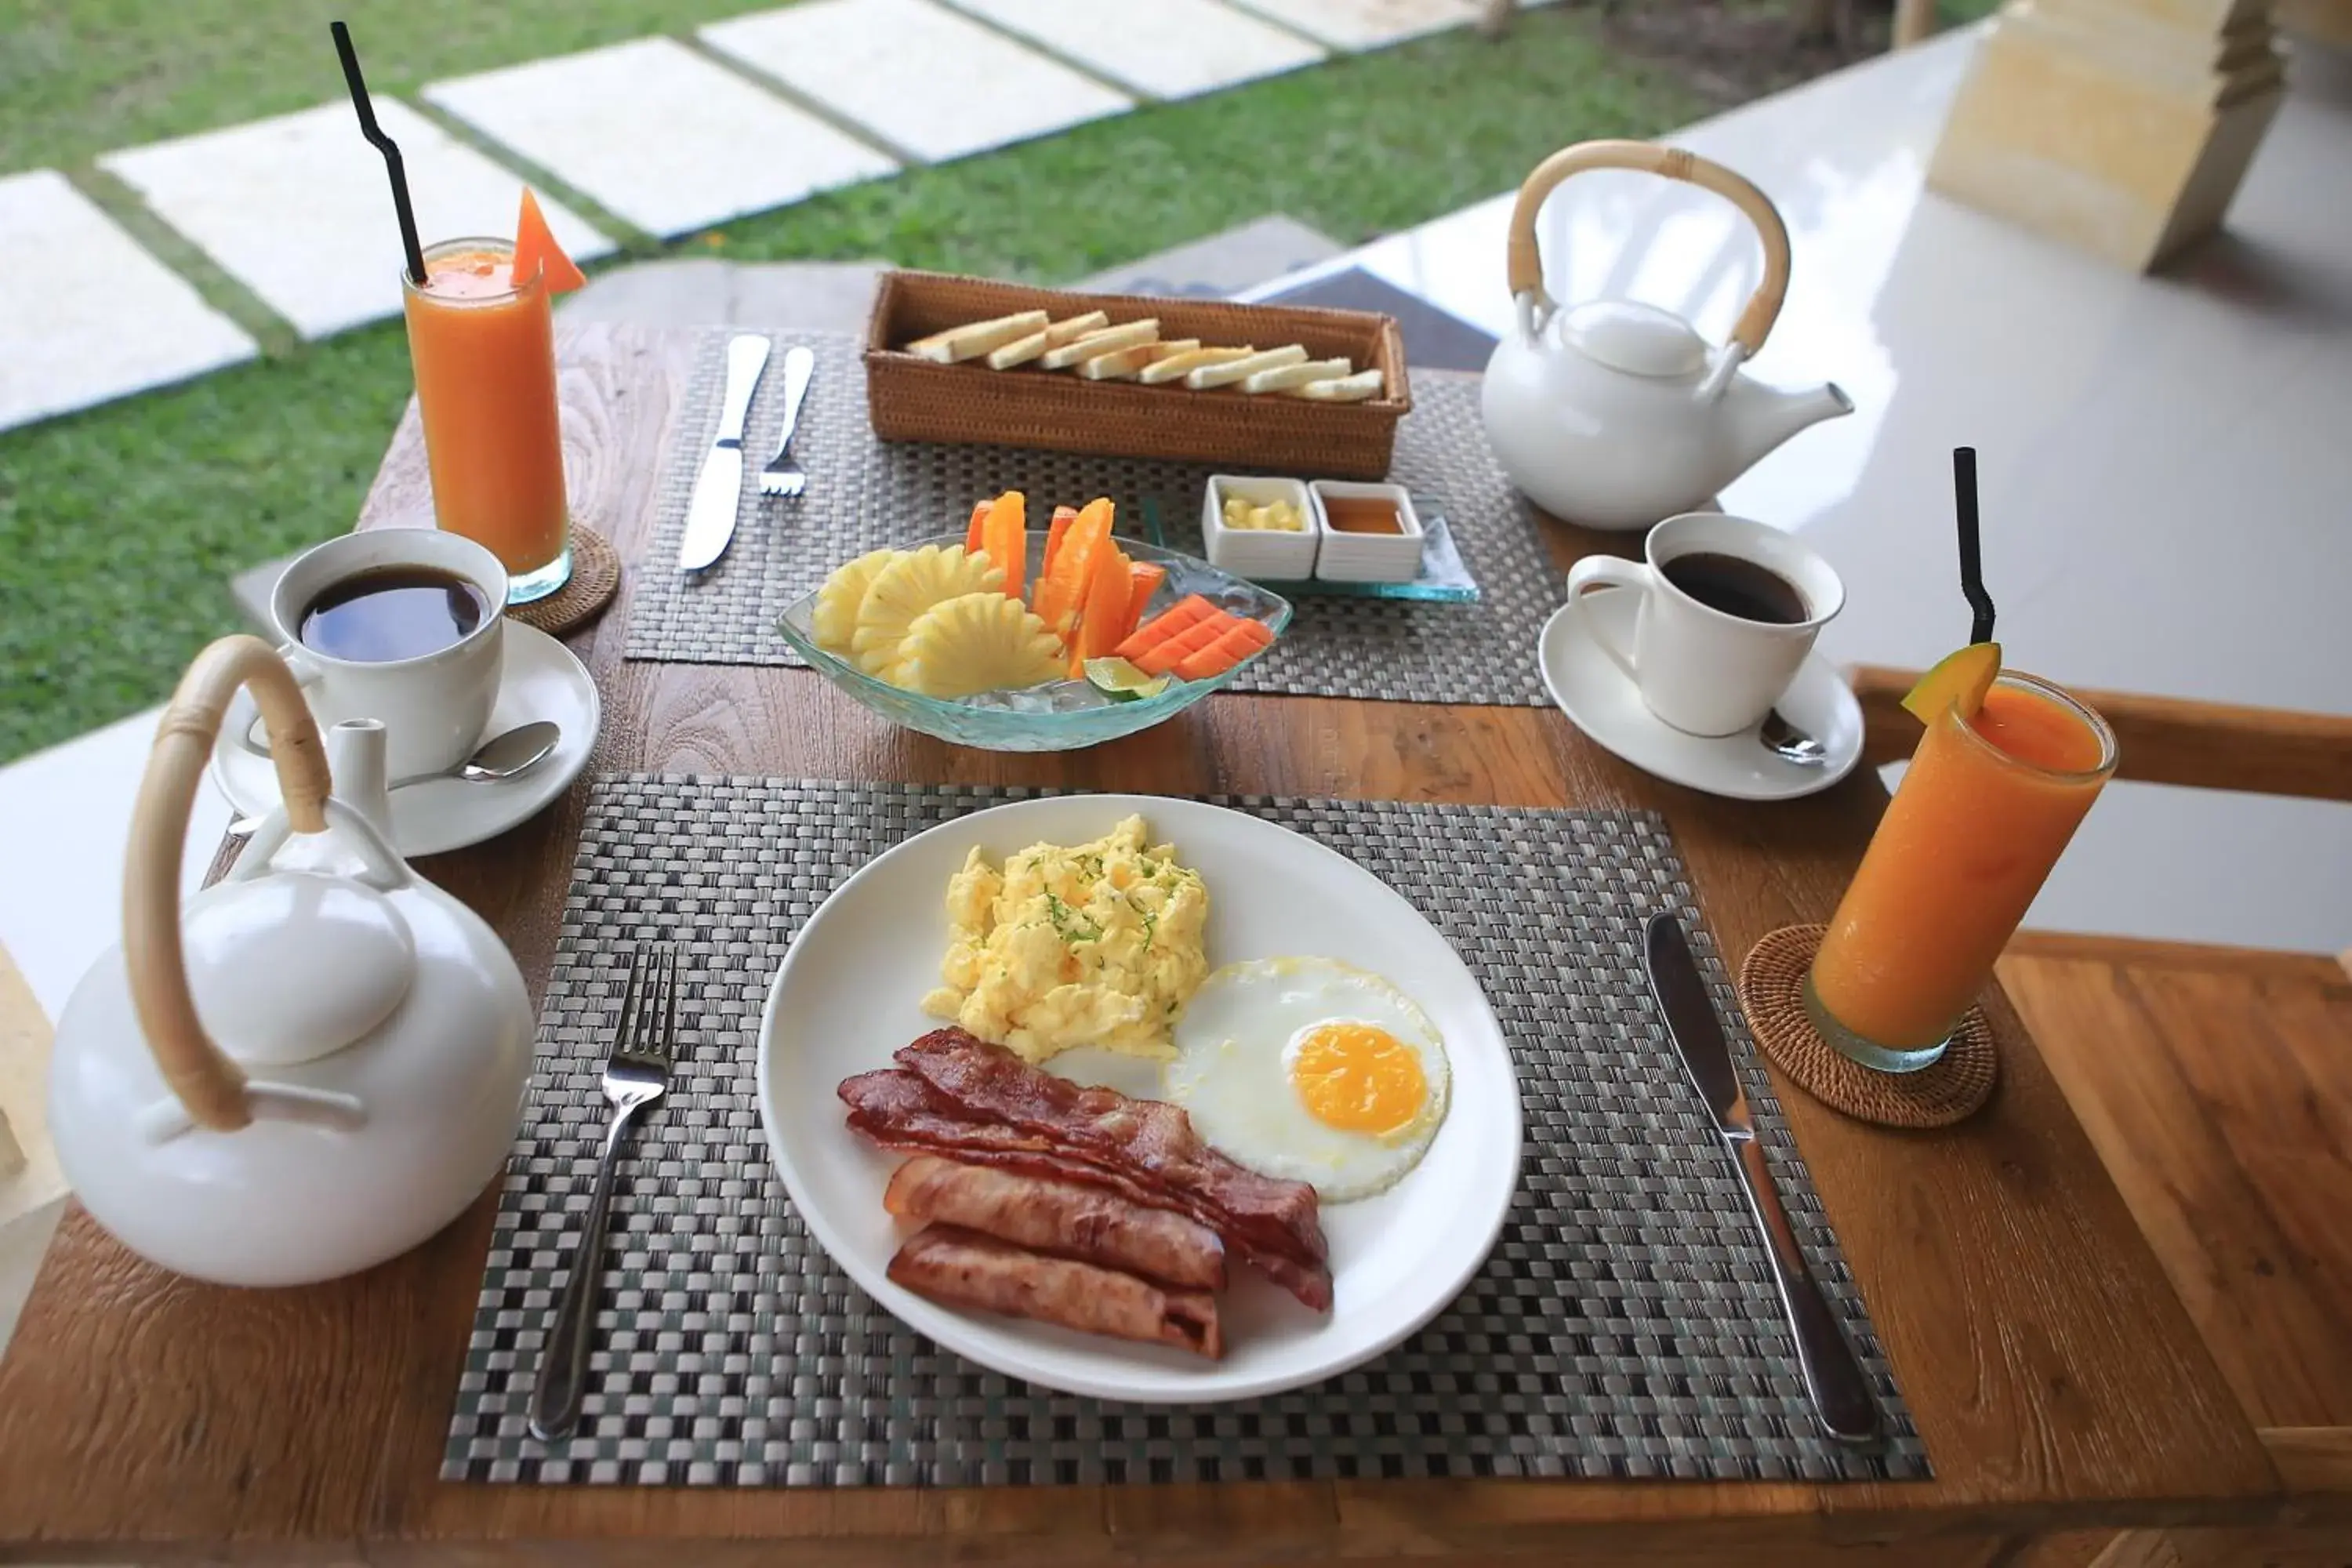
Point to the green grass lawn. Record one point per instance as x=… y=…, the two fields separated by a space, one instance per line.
x=120 y=527
x=79 y=77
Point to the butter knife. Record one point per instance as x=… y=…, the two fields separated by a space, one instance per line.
x=719 y=489
x=1833 y=1379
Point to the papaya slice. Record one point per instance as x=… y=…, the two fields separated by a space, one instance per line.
x=1959 y=679
x=536 y=252
x=1004 y=535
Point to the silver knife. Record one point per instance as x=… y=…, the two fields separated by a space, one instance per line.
x=1833 y=1379
x=719 y=489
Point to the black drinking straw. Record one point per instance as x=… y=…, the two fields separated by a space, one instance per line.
x=1964 y=494
x=383 y=145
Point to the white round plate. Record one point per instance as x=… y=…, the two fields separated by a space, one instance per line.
x=539 y=678
x=1599 y=700
x=849 y=993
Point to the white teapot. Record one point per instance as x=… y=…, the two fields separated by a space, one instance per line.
x=1615 y=414
x=317 y=1062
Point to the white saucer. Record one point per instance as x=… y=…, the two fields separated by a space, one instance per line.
x=1598 y=699
x=539 y=679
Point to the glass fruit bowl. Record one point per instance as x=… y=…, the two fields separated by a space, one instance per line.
x=1061 y=715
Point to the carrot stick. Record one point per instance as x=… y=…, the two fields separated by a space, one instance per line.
x=976 y=534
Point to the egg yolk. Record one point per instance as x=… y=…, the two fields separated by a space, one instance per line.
x=1358 y=1078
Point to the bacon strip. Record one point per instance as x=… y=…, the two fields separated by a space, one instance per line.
x=964 y=1268
x=1149 y=1136
x=899 y=1110
x=1088 y=1224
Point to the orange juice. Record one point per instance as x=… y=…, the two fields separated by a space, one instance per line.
x=484 y=351
x=1980 y=818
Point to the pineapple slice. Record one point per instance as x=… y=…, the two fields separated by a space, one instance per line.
x=904 y=588
x=980 y=642
x=835 y=619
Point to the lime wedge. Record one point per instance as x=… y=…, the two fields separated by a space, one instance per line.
x=1959 y=679
x=1122 y=681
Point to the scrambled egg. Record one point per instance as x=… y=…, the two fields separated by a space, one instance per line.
x=1092 y=945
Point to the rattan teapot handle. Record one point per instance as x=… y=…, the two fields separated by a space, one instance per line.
x=1525 y=261
x=204 y=1078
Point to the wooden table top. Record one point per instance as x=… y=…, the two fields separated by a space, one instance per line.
x=2050 y=1369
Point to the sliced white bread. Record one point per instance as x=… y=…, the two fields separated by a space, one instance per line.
x=1232 y=371
x=1175 y=367
x=1119 y=364
x=1070 y=329
x=1290 y=376
x=976 y=338
x=1021 y=351
x=1133 y=334
x=1362 y=386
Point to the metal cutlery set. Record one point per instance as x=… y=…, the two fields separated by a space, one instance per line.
x=711 y=512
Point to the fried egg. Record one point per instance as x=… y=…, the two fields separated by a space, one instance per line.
x=1312 y=1071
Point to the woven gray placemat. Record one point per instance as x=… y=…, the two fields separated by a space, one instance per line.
x=1624 y=1325
x=864 y=494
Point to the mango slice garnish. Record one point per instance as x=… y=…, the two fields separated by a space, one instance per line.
x=1959 y=679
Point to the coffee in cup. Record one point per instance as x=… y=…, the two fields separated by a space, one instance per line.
x=1729 y=608
x=399 y=625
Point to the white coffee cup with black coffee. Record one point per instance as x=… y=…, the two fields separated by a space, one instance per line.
x=399 y=625
x=1729 y=608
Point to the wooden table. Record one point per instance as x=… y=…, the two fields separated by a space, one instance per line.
x=2051 y=1371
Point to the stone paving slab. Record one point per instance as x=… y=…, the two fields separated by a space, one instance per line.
x=921 y=77
x=297 y=210
x=85 y=314
x=658 y=134
x=1167 y=49
x=1369 y=23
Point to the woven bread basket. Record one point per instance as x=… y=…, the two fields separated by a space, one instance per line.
x=913 y=399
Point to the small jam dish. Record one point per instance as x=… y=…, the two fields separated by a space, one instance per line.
x=1370 y=532
x=1264 y=554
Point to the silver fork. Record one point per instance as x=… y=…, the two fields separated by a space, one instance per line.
x=635 y=1075
x=783 y=475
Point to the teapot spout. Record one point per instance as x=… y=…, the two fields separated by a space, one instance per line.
x=1763 y=417
x=355 y=757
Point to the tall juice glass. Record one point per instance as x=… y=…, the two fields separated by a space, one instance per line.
x=1976 y=824
x=484 y=352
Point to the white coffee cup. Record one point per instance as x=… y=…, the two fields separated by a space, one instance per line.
x=1699 y=668
x=435 y=707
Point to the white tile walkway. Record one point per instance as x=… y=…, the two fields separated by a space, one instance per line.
x=85 y=314
x=65 y=816
x=658 y=134
x=1168 y=49
x=1369 y=23
x=921 y=77
x=297 y=208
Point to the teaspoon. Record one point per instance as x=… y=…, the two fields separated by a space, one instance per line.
x=1789 y=743
x=506 y=755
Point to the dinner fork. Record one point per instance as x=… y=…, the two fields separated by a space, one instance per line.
x=635 y=1075
x=783 y=475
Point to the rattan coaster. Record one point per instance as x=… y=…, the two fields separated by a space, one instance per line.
x=595 y=578
x=1771 y=989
